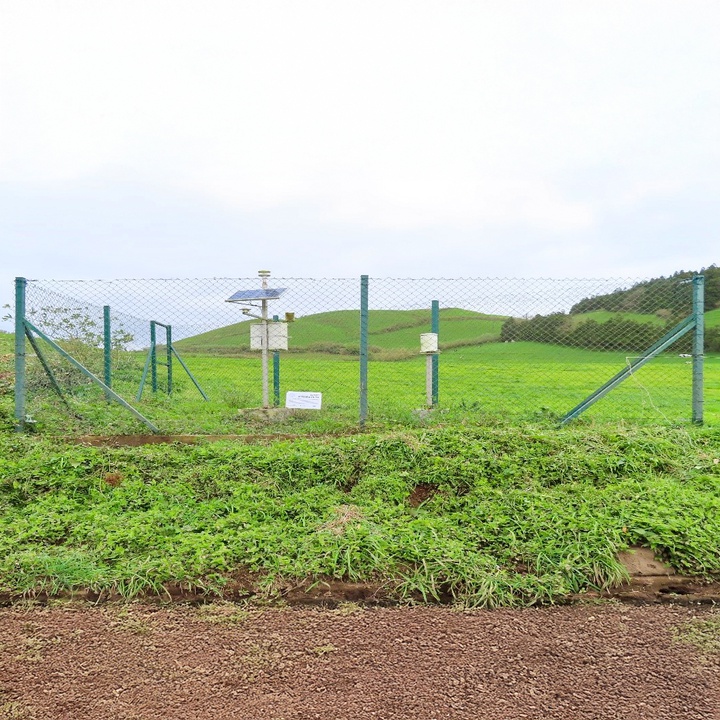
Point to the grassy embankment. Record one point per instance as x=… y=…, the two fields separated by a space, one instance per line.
x=515 y=513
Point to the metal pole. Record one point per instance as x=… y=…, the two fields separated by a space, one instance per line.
x=276 y=372
x=20 y=357
x=153 y=356
x=107 y=346
x=364 y=294
x=168 y=349
x=435 y=327
x=698 y=348
x=265 y=343
x=429 y=379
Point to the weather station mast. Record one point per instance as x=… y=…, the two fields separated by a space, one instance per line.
x=264 y=336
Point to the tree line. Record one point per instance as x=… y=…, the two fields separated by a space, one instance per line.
x=671 y=296
x=668 y=298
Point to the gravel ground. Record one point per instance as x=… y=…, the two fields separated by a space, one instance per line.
x=223 y=661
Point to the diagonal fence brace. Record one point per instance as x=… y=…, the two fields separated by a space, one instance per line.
x=190 y=375
x=662 y=344
x=110 y=393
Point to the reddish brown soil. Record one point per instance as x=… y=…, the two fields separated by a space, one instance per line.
x=138 y=440
x=421 y=493
x=222 y=661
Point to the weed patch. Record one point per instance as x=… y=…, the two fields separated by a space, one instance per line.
x=702 y=633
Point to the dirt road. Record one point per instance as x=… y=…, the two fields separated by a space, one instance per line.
x=221 y=661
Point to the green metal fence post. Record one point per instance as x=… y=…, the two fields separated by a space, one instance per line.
x=276 y=372
x=153 y=356
x=168 y=348
x=107 y=345
x=698 y=348
x=364 y=284
x=20 y=355
x=435 y=328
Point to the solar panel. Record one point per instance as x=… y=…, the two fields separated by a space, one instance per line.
x=261 y=294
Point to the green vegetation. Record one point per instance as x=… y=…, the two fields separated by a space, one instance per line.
x=481 y=383
x=391 y=331
x=484 y=501
x=703 y=633
x=627 y=319
x=712 y=319
x=603 y=316
x=595 y=331
x=670 y=294
x=478 y=384
x=480 y=378
x=394 y=334
x=512 y=514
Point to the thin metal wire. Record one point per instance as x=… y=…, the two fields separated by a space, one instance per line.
x=508 y=347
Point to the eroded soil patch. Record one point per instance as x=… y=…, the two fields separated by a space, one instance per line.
x=421 y=493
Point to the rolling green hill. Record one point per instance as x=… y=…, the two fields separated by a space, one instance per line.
x=339 y=332
x=398 y=331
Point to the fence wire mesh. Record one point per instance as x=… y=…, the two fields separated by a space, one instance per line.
x=508 y=347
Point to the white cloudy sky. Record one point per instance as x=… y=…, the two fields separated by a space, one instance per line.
x=415 y=138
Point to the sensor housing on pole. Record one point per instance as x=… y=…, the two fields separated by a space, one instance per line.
x=428 y=343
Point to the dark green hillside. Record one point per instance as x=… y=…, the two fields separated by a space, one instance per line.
x=664 y=295
x=598 y=330
x=627 y=320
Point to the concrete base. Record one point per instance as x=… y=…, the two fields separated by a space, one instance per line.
x=423 y=413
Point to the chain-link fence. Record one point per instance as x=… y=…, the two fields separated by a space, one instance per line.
x=507 y=348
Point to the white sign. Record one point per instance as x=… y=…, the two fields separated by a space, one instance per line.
x=303 y=400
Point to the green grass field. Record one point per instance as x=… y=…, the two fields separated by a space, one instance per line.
x=516 y=380
x=478 y=377
x=712 y=318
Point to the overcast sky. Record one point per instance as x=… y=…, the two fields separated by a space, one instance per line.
x=329 y=139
